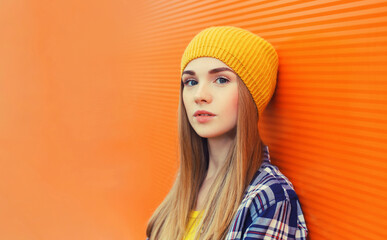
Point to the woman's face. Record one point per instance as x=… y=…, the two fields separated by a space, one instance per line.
x=210 y=85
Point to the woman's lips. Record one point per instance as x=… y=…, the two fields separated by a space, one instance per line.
x=203 y=116
x=204 y=119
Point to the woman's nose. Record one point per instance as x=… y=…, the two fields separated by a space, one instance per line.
x=202 y=94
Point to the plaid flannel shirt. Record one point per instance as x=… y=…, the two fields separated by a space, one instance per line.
x=270 y=208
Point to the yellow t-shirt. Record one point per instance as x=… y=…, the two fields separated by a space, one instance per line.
x=194 y=219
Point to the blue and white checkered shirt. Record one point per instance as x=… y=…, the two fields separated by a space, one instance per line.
x=270 y=208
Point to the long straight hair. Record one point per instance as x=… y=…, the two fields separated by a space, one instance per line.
x=170 y=219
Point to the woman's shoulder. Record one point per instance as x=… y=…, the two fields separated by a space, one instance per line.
x=269 y=184
x=269 y=197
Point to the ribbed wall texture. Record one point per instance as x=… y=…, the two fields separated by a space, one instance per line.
x=326 y=125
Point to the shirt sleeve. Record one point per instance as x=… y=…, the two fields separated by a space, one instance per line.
x=282 y=220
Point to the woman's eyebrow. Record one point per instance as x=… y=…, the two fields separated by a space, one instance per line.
x=215 y=70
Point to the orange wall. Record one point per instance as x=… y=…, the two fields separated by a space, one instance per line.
x=88 y=106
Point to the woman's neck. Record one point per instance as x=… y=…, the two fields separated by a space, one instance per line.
x=218 y=149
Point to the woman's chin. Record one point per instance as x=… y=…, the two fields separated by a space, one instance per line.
x=220 y=134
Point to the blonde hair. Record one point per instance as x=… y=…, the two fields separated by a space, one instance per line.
x=170 y=219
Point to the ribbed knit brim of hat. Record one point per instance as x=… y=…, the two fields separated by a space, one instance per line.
x=250 y=56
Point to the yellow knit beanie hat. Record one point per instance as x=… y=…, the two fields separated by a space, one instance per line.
x=250 y=56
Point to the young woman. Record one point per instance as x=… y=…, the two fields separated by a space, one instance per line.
x=226 y=187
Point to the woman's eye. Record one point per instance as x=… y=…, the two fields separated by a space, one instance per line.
x=224 y=80
x=188 y=81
